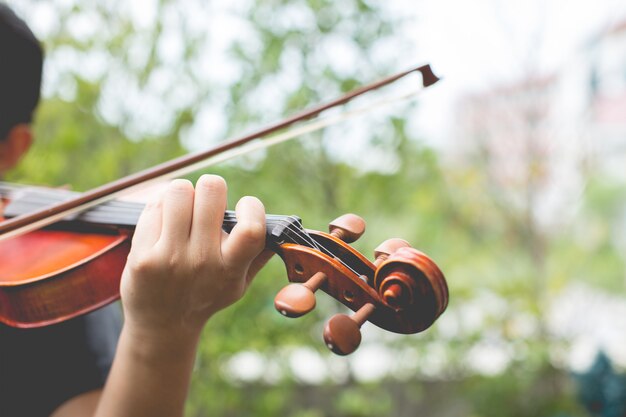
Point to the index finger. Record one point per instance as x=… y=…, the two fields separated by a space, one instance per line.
x=247 y=239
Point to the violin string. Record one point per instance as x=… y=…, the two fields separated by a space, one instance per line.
x=316 y=245
x=106 y=213
x=127 y=213
x=302 y=234
x=110 y=213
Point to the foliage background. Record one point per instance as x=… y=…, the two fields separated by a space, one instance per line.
x=130 y=84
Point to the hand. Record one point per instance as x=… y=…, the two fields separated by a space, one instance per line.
x=182 y=267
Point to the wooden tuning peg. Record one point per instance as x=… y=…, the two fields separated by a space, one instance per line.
x=389 y=246
x=295 y=299
x=342 y=333
x=348 y=227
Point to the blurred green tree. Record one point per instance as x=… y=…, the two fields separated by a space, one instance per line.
x=130 y=84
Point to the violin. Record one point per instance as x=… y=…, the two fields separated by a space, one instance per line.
x=402 y=290
x=62 y=255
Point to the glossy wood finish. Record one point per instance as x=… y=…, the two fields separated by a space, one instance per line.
x=49 y=276
x=413 y=285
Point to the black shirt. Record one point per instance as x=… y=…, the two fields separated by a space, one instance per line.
x=44 y=367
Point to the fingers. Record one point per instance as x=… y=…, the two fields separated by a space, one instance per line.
x=172 y=276
x=177 y=214
x=247 y=239
x=209 y=206
x=183 y=219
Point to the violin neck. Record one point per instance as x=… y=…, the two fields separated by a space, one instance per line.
x=280 y=229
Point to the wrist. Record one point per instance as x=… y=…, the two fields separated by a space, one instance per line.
x=151 y=372
x=162 y=344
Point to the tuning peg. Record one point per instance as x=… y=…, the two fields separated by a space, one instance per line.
x=295 y=300
x=389 y=246
x=342 y=333
x=348 y=227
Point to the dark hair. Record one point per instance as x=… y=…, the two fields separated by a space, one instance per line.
x=21 y=60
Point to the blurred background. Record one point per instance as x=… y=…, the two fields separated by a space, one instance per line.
x=510 y=173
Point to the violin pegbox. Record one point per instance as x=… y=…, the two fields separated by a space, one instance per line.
x=297 y=299
x=402 y=290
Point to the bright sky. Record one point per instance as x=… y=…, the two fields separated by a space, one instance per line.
x=477 y=44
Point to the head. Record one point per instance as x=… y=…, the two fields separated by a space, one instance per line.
x=21 y=60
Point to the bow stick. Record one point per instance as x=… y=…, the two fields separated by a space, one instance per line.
x=41 y=218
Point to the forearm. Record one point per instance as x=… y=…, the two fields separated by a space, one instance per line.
x=150 y=374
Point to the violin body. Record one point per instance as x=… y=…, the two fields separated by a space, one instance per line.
x=51 y=275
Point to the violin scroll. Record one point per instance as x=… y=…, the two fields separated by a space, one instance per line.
x=402 y=290
x=411 y=281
